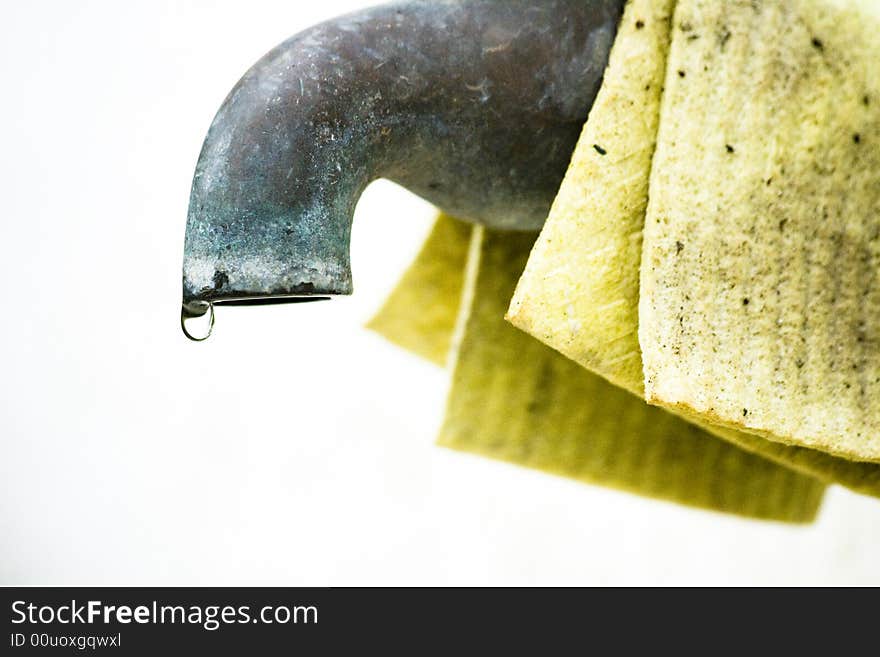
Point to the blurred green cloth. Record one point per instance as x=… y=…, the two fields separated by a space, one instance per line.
x=515 y=399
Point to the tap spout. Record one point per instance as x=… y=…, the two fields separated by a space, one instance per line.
x=474 y=105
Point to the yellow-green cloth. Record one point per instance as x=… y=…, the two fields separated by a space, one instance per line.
x=580 y=291
x=515 y=399
x=760 y=281
x=419 y=314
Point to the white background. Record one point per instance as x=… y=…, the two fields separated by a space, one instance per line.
x=294 y=447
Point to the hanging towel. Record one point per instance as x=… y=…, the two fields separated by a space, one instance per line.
x=419 y=314
x=514 y=399
x=580 y=290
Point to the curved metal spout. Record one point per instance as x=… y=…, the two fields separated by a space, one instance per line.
x=474 y=105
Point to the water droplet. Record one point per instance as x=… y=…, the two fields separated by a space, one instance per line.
x=197 y=320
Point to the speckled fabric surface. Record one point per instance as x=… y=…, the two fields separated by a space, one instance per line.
x=764 y=190
x=580 y=290
x=760 y=296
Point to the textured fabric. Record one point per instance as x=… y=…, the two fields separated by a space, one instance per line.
x=580 y=290
x=515 y=399
x=760 y=280
x=420 y=312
